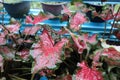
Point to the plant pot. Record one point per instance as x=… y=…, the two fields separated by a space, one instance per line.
x=55 y=9
x=17 y=10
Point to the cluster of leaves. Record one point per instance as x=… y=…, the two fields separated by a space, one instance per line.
x=79 y=56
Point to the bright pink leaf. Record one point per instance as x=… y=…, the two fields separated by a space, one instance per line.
x=28 y=19
x=46 y=53
x=7 y=52
x=107 y=17
x=111 y=53
x=90 y=39
x=81 y=45
x=97 y=55
x=77 y=20
x=38 y=18
x=13 y=28
x=86 y=73
x=112 y=56
x=41 y=17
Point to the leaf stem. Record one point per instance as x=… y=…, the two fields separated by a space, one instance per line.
x=114 y=22
x=32 y=77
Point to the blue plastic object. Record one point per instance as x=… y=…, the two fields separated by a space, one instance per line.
x=43 y=78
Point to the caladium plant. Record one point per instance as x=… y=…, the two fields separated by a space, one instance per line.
x=77 y=20
x=86 y=73
x=38 y=18
x=46 y=53
x=57 y=57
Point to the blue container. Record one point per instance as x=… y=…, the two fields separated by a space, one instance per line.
x=43 y=78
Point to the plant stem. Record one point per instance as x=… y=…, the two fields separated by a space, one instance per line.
x=25 y=74
x=109 y=76
x=81 y=57
x=114 y=22
x=105 y=29
x=32 y=77
x=21 y=69
x=3 y=17
x=110 y=11
x=23 y=41
x=17 y=78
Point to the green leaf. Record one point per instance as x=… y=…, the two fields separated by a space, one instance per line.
x=113 y=76
x=116 y=7
x=73 y=1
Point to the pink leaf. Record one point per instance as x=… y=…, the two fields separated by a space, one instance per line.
x=77 y=20
x=90 y=39
x=81 y=45
x=107 y=17
x=41 y=17
x=112 y=56
x=86 y=73
x=38 y=18
x=24 y=54
x=46 y=39
x=7 y=52
x=2 y=39
x=118 y=17
x=58 y=46
x=28 y=19
x=13 y=27
x=46 y=53
x=66 y=10
x=97 y=55
x=111 y=53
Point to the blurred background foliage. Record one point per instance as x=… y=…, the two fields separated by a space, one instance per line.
x=37 y=5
